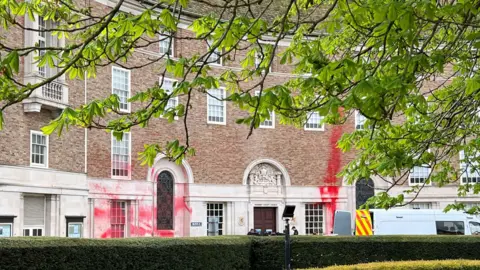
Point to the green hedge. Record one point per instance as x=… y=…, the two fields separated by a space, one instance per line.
x=320 y=251
x=133 y=253
x=240 y=252
x=411 y=265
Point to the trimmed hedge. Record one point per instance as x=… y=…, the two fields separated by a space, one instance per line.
x=411 y=265
x=227 y=252
x=131 y=253
x=308 y=251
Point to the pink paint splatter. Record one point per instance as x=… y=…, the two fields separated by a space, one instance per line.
x=329 y=192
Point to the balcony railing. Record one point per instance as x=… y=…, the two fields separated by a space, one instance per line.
x=53 y=91
x=52 y=96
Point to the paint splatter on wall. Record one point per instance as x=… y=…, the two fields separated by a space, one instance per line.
x=329 y=192
x=140 y=209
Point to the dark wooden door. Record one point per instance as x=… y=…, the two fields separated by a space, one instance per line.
x=265 y=218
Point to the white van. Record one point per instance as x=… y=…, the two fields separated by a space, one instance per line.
x=413 y=222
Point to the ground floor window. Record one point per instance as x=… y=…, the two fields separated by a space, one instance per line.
x=33 y=215
x=215 y=219
x=313 y=218
x=118 y=219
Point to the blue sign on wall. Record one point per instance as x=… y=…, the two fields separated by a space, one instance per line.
x=196 y=224
x=5 y=230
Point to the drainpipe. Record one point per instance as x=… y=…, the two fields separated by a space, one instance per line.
x=86 y=130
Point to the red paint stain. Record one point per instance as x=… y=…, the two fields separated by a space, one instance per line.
x=165 y=233
x=180 y=205
x=97 y=212
x=329 y=192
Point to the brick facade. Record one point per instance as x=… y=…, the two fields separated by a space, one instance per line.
x=308 y=160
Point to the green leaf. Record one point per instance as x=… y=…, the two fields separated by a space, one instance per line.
x=392 y=13
x=472 y=85
x=1 y=120
x=15 y=61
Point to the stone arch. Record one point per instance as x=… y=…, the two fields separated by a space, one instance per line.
x=364 y=189
x=271 y=162
x=181 y=173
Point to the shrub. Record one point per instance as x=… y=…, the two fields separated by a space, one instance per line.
x=311 y=251
x=227 y=252
x=132 y=253
x=411 y=265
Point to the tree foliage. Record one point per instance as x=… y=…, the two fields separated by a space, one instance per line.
x=410 y=67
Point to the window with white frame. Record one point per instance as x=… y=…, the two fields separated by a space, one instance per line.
x=270 y=122
x=314 y=121
x=313 y=218
x=121 y=156
x=216 y=56
x=45 y=39
x=359 y=120
x=166 y=45
x=216 y=105
x=261 y=57
x=121 y=87
x=421 y=205
x=33 y=215
x=215 y=215
x=419 y=174
x=118 y=219
x=38 y=149
x=470 y=174
x=258 y=60
x=470 y=205
x=168 y=87
x=42 y=43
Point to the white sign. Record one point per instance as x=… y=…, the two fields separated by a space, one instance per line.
x=196 y=224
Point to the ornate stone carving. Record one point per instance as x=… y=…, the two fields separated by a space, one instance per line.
x=265 y=174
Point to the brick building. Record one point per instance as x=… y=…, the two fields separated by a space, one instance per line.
x=86 y=183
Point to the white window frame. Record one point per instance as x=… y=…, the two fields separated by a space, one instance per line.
x=33 y=227
x=310 y=114
x=174 y=99
x=38 y=165
x=224 y=107
x=42 y=71
x=272 y=116
x=30 y=231
x=172 y=45
x=48 y=40
x=129 y=176
x=418 y=205
x=358 y=116
x=322 y=207
x=218 y=51
x=429 y=170
x=465 y=171
x=125 y=225
x=129 y=107
x=258 y=60
x=222 y=215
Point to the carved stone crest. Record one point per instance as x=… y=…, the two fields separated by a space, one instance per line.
x=265 y=174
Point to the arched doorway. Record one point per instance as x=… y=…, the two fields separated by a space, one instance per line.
x=165 y=201
x=364 y=189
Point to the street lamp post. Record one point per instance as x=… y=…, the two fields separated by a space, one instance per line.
x=287 y=215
